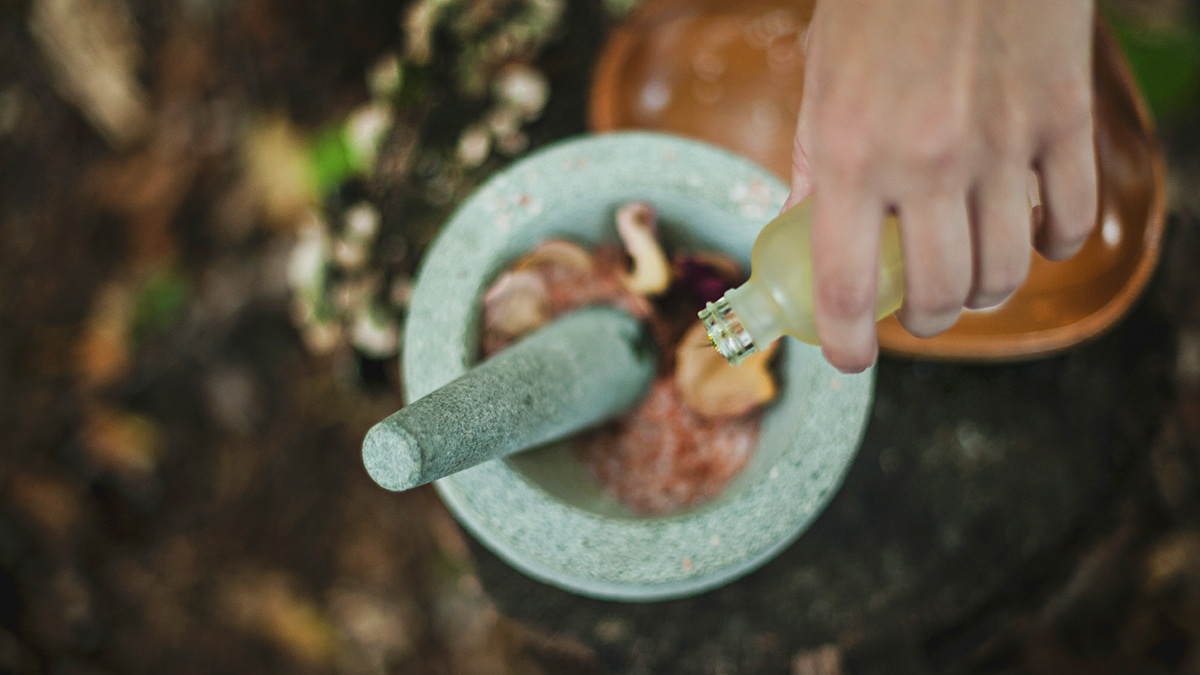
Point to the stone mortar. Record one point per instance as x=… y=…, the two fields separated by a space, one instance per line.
x=540 y=510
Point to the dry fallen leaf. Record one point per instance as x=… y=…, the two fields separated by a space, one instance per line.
x=104 y=351
x=53 y=503
x=277 y=166
x=824 y=660
x=383 y=627
x=120 y=441
x=269 y=605
x=711 y=387
x=1173 y=561
x=92 y=50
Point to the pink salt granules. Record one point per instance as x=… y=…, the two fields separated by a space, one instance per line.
x=663 y=457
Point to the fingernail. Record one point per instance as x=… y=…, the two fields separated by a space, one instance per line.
x=927 y=325
x=986 y=301
x=849 y=365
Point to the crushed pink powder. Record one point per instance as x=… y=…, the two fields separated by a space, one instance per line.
x=662 y=457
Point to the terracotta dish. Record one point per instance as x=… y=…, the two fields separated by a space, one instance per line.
x=732 y=74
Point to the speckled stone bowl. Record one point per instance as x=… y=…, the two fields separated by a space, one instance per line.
x=540 y=510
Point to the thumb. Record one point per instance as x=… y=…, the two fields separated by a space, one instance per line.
x=801 y=184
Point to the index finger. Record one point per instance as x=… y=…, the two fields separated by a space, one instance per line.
x=845 y=262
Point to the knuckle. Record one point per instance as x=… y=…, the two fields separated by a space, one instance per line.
x=848 y=152
x=1070 y=108
x=1006 y=134
x=842 y=138
x=938 y=145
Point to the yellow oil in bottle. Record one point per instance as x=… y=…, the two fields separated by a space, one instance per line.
x=777 y=300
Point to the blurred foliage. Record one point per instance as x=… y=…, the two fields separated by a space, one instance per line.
x=333 y=160
x=452 y=100
x=159 y=302
x=1164 y=56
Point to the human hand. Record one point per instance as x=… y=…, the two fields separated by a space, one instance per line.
x=938 y=110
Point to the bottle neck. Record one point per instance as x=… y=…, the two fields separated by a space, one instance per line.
x=742 y=322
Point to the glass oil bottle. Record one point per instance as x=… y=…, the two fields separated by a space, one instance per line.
x=777 y=300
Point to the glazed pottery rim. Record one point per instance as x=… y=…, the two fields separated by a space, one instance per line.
x=574 y=548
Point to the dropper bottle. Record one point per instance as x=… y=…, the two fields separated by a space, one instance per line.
x=777 y=299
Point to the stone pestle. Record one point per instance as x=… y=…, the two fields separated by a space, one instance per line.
x=573 y=373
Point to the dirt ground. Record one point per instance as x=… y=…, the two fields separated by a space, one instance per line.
x=180 y=480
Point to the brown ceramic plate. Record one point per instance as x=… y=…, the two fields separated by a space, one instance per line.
x=732 y=75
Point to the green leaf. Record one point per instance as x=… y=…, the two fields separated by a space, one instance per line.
x=1165 y=60
x=332 y=159
x=159 y=302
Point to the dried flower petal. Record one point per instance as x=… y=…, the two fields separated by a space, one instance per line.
x=705 y=275
x=711 y=387
x=517 y=303
x=558 y=253
x=651 y=273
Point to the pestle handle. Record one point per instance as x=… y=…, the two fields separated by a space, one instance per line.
x=573 y=373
